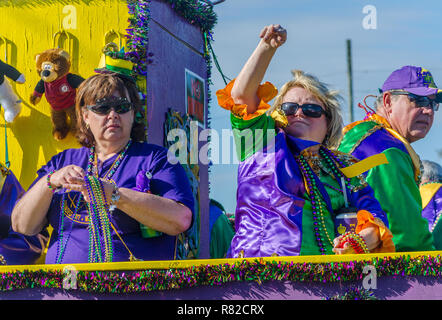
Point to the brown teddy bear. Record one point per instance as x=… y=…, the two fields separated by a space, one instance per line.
x=59 y=86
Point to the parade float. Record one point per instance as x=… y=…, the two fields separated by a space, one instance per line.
x=171 y=40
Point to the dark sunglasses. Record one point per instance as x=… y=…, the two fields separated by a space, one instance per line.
x=103 y=106
x=420 y=101
x=309 y=109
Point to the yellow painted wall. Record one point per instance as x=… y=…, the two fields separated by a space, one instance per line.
x=29 y=28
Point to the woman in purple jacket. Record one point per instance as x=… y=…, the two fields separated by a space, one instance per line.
x=97 y=197
x=291 y=184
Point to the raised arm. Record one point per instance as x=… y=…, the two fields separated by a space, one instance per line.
x=247 y=82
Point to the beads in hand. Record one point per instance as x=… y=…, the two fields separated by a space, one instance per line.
x=356 y=242
x=48 y=182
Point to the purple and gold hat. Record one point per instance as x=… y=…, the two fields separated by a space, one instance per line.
x=413 y=79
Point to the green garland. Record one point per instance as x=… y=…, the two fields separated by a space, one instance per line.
x=195 y=12
x=216 y=275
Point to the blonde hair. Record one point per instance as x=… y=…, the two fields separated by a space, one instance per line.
x=329 y=98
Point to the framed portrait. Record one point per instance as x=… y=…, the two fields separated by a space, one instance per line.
x=195 y=97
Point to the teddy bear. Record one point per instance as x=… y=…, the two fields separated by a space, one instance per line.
x=8 y=99
x=59 y=87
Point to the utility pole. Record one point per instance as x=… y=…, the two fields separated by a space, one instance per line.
x=350 y=81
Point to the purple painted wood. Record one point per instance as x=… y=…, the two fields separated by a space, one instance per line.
x=389 y=288
x=176 y=45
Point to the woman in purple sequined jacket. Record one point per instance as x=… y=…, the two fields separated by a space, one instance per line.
x=291 y=189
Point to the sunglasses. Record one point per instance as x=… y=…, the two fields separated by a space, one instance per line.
x=119 y=105
x=309 y=109
x=420 y=101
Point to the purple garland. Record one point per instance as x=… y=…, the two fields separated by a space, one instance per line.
x=137 y=44
x=216 y=275
x=139 y=17
x=193 y=11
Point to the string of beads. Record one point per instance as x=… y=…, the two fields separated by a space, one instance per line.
x=356 y=242
x=98 y=211
x=319 y=226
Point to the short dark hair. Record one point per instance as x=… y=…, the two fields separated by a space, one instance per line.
x=100 y=86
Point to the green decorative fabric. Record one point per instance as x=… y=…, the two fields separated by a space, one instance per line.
x=356 y=135
x=220 y=237
x=437 y=236
x=396 y=190
x=251 y=134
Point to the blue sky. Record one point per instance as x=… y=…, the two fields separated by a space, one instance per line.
x=407 y=33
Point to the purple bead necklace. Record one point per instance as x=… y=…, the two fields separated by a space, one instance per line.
x=319 y=227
